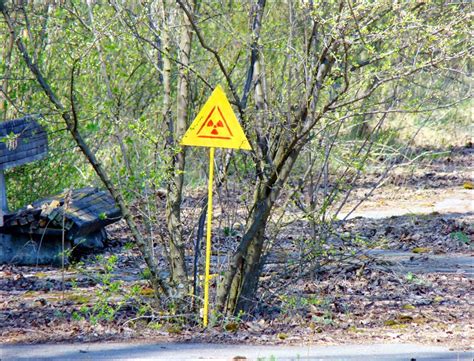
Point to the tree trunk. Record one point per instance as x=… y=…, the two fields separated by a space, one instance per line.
x=237 y=291
x=177 y=158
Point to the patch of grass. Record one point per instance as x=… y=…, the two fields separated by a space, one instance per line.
x=146 y=274
x=174 y=329
x=147 y=291
x=76 y=316
x=421 y=250
x=461 y=237
x=40 y=275
x=402 y=321
x=128 y=246
x=155 y=326
x=79 y=299
x=410 y=277
x=354 y=329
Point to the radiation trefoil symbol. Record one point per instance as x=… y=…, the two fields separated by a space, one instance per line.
x=215 y=126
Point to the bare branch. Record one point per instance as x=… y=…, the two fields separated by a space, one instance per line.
x=214 y=53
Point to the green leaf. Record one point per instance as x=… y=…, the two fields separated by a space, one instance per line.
x=460 y=236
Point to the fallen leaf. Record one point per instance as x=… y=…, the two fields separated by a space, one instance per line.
x=468 y=185
x=231 y=327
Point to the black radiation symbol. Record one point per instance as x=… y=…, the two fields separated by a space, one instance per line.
x=211 y=124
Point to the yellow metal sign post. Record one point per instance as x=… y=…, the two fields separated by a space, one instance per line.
x=215 y=126
x=208 y=237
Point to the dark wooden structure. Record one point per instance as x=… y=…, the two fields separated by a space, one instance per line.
x=34 y=234
x=81 y=212
x=22 y=141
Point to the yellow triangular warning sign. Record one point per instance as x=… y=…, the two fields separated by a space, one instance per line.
x=216 y=125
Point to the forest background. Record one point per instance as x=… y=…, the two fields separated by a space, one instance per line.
x=326 y=91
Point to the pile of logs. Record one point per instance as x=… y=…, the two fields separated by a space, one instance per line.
x=76 y=212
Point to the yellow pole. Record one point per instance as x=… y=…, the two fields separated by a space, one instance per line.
x=208 y=237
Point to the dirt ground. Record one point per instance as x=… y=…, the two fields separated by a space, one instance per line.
x=398 y=270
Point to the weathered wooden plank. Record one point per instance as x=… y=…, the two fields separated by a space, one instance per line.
x=20 y=162
x=84 y=192
x=25 y=155
x=53 y=214
x=30 y=144
x=38 y=231
x=27 y=123
x=90 y=198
